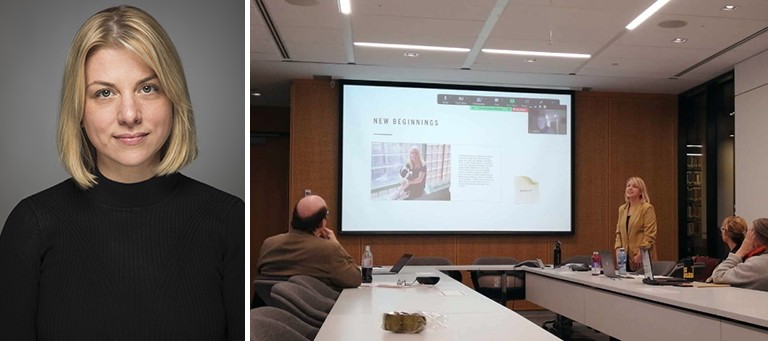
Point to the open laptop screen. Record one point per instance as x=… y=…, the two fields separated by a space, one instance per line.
x=647 y=267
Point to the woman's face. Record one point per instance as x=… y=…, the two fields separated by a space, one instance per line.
x=414 y=155
x=632 y=191
x=127 y=115
x=724 y=232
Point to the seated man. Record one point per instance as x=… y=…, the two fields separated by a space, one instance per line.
x=749 y=263
x=309 y=248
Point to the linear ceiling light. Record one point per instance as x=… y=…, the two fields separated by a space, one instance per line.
x=345 y=6
x=539 y=54
x=413 y=47
x=646 y=14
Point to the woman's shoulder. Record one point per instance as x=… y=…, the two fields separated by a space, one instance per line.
x=203 y=190
x=62 y=191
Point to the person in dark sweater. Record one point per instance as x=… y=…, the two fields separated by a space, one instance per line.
x=127 y=248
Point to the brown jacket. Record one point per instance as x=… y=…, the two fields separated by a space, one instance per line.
x=642 y=230
x=301 y=253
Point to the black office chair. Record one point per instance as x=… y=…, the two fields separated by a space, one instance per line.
x=455 y=274
x=488 y=283
x=308 y=305
x=262 y=288
x=315 y=285
x=266 y=329
x=579 y=259
x=283 y=317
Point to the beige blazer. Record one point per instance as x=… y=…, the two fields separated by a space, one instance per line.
x=642 y=230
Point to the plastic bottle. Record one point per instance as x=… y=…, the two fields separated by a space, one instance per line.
x=367 y=265
x=557 y=254
x=622 y=261
x=596 y=263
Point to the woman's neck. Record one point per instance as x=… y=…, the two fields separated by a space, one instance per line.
x=731 y=244
x=634 y=202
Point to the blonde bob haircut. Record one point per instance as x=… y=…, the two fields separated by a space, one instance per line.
x=136 y=31
x=644 y=197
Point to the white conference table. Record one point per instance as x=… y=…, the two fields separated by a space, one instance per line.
x=630 y=310
x=455 y=311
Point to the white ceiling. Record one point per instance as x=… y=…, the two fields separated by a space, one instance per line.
x=318 y=40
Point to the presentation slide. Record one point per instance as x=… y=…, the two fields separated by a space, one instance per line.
x=422 y=158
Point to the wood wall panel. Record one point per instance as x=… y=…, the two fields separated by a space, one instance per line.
x=610 y=128
x=643 y=143
x=269 y=177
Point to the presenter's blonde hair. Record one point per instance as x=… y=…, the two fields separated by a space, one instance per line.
x=132 y=29
x=637 y=181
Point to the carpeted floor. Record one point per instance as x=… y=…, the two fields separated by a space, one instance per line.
x=580 y=331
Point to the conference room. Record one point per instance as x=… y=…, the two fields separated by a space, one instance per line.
x=529 y=117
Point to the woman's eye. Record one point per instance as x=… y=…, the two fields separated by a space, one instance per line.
x=148 y=89
x=103 y=93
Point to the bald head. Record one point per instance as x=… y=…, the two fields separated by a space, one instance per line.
x=309 y=213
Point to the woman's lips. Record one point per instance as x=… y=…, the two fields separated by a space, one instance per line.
x=131 y=139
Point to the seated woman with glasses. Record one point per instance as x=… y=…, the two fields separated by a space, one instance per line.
x=732 y=232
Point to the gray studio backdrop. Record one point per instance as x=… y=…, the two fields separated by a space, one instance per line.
x=34 y=40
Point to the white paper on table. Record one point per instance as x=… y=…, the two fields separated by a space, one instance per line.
x=452 y=293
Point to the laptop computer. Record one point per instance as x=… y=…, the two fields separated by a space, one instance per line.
x=395 y=268
x=648 y=271
x=609 y=267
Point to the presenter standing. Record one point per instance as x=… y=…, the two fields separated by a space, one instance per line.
x=636 y=226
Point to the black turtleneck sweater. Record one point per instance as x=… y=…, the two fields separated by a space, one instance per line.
x=156 y=260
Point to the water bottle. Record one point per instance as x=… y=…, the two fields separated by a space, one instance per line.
x=557 y=254
x=367 y=265
x=622 y=261
x=596 y=263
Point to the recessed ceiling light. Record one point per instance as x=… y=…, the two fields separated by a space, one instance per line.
x=255 y=93
x=411 y=54
x=530 y=60
x=728 y=8
x=679 y=40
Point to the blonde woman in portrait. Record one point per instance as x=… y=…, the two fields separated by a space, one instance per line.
x=415 y=181
x=128 y=248
x=636 y=225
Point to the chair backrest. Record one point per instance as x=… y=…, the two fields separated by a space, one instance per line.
x=489 y=283
x=287 y=319
x=429 y=261
x=710 y=264
x=315 y=285
x=437 y=261
x=580 y=259
x=491 y=279
x=309 y=306
x=262 y=287
x=265 y=329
